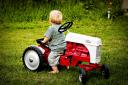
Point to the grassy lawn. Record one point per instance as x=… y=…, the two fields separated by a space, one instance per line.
x=24 y=21
x=15 y=37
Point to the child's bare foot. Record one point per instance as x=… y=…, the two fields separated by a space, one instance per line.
x=53 y=72
x=67 y=67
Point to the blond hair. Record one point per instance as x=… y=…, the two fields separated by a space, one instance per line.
x=55 y=17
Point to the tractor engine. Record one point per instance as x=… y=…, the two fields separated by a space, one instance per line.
x=84 y=48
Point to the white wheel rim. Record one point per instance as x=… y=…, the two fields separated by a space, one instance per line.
x=31 y=59
x=80 y=76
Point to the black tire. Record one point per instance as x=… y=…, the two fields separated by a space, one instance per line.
x=33 y=59
x=105 y=71
x=82 y=76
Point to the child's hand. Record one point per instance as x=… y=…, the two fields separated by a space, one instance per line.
x=45 y=40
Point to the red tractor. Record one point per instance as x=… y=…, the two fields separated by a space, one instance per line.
x=79 y=49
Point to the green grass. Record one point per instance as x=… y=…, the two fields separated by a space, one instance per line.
x=15 y=37
x=22 y=24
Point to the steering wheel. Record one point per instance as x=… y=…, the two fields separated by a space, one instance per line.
x=65 y=26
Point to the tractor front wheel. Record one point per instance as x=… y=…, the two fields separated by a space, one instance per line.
x=105 y=71
x=82 y=76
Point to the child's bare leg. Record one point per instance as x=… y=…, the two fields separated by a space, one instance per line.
x=55 y=69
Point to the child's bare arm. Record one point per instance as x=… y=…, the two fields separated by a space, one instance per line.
x=45 y=40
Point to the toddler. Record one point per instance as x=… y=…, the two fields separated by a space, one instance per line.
x=55 y=39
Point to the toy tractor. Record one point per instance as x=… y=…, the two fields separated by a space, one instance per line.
x=79 y=48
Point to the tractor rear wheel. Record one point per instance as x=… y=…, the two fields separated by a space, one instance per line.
x=33 y=58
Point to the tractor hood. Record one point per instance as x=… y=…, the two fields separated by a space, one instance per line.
x=83 y=39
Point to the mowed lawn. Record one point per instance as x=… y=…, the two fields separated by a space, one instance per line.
x=15 y=37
